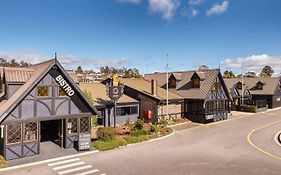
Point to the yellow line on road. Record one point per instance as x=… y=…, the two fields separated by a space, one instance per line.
x=256 y=147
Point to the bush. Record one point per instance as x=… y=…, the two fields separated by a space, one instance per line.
x=128 y=122
x=249 y=108
x=109 y=144
x=155 y=128
x=163 y=122
x=136 y=139
x=94 y=120
x=138 y=124
x=106 y=133
x=3 y=162
x=139 y=133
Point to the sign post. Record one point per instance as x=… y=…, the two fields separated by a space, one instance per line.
x=115 y=91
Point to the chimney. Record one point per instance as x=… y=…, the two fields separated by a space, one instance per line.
x=154 y=87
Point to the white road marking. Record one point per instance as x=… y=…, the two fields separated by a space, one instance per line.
x=68 y=165
x=76 y=169
x=63 y=162
x=88 y=172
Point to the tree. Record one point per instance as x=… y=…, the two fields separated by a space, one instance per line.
x=228 y=74
x=79 y=70
x=267 y=71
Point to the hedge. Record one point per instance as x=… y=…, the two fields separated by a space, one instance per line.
x=248 y=108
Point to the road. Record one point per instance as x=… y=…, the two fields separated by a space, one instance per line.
x=243 y=145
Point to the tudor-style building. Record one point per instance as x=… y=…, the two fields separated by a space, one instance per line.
x=263 y=90
x=239 y=92
x=41 y=103
x=206 y=97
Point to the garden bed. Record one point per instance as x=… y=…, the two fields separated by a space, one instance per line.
x=110 y=138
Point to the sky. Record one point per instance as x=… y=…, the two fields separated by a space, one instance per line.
x=141 y=33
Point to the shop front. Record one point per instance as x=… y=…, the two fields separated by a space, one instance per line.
x=46 y=107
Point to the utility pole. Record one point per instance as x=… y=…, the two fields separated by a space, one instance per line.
x=167 y=88
x=242 y=83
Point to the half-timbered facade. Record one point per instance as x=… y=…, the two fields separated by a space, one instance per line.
x=263 y=90
x=41 y=103
x=204 y=92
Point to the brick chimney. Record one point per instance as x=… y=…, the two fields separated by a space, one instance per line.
x=154 y=87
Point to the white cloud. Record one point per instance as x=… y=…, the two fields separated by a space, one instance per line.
x=195 y=2
x=166 y=8
x=69 y=61
x=253 y=63
x=129 y=1
x=190 y=13
x=218 y=9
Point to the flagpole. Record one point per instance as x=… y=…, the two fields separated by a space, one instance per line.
x=167 y=88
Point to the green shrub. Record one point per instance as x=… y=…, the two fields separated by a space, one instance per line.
x=106 y=133
x=136 y=139
x=138 y=124
x=3 y=162
x=139 y=133
x=94 y=120
x=249 y=108
x=163 y=122
x=154 y=129
x=109 y=144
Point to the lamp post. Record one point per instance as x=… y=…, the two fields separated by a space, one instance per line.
x=167 y=89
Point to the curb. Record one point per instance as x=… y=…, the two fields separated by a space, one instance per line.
x=47 y=161
x=179 y=124
x=277 y=138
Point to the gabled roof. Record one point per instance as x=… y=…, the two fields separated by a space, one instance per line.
x=230 y=84
x=184 y=87
x=98 y=92
x=144 y=86
x=269 y=84
x=19 y=75
x=40 y=70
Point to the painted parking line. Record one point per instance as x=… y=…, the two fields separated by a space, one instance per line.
x=258 y=148
x=68 y=165
x=89 y=172
x=63 y=162
x=75 y=169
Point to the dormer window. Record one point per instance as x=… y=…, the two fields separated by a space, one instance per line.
x=172 y=83
x=259 y=86
x=239 y=85
x=217 y=86
x=196 y=83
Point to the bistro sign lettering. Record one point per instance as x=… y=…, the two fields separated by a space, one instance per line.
x=64 y=85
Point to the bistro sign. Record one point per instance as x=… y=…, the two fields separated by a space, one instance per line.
x=64 y=85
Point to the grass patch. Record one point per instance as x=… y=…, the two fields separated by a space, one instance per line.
x=3 y=162
x=136 y=139
x=109 y=144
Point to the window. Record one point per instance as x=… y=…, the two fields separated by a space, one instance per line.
x=84 y=125
x=196 y=83
x=172 y=83
x=239 y=85
x=61 y=92
x=42 y=91
x=30 y=131
x=130 y=110
x=13 y=133
x=72 y=126
x=259 y=86
x=217 y=86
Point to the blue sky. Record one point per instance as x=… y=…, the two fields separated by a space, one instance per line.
x=139 y=33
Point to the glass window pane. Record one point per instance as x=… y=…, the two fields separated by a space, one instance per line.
x=72 y=126
x=42 y=91
x=84 y=125
x=30 y=131
x=61 y=92
x=13 y=133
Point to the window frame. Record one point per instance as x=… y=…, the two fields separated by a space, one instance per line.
x=6 y=137
x=59 y=90
x=36 y=132
x=39 y=96
x=196 y=83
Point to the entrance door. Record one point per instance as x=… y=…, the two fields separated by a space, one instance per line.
x=51 y=131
